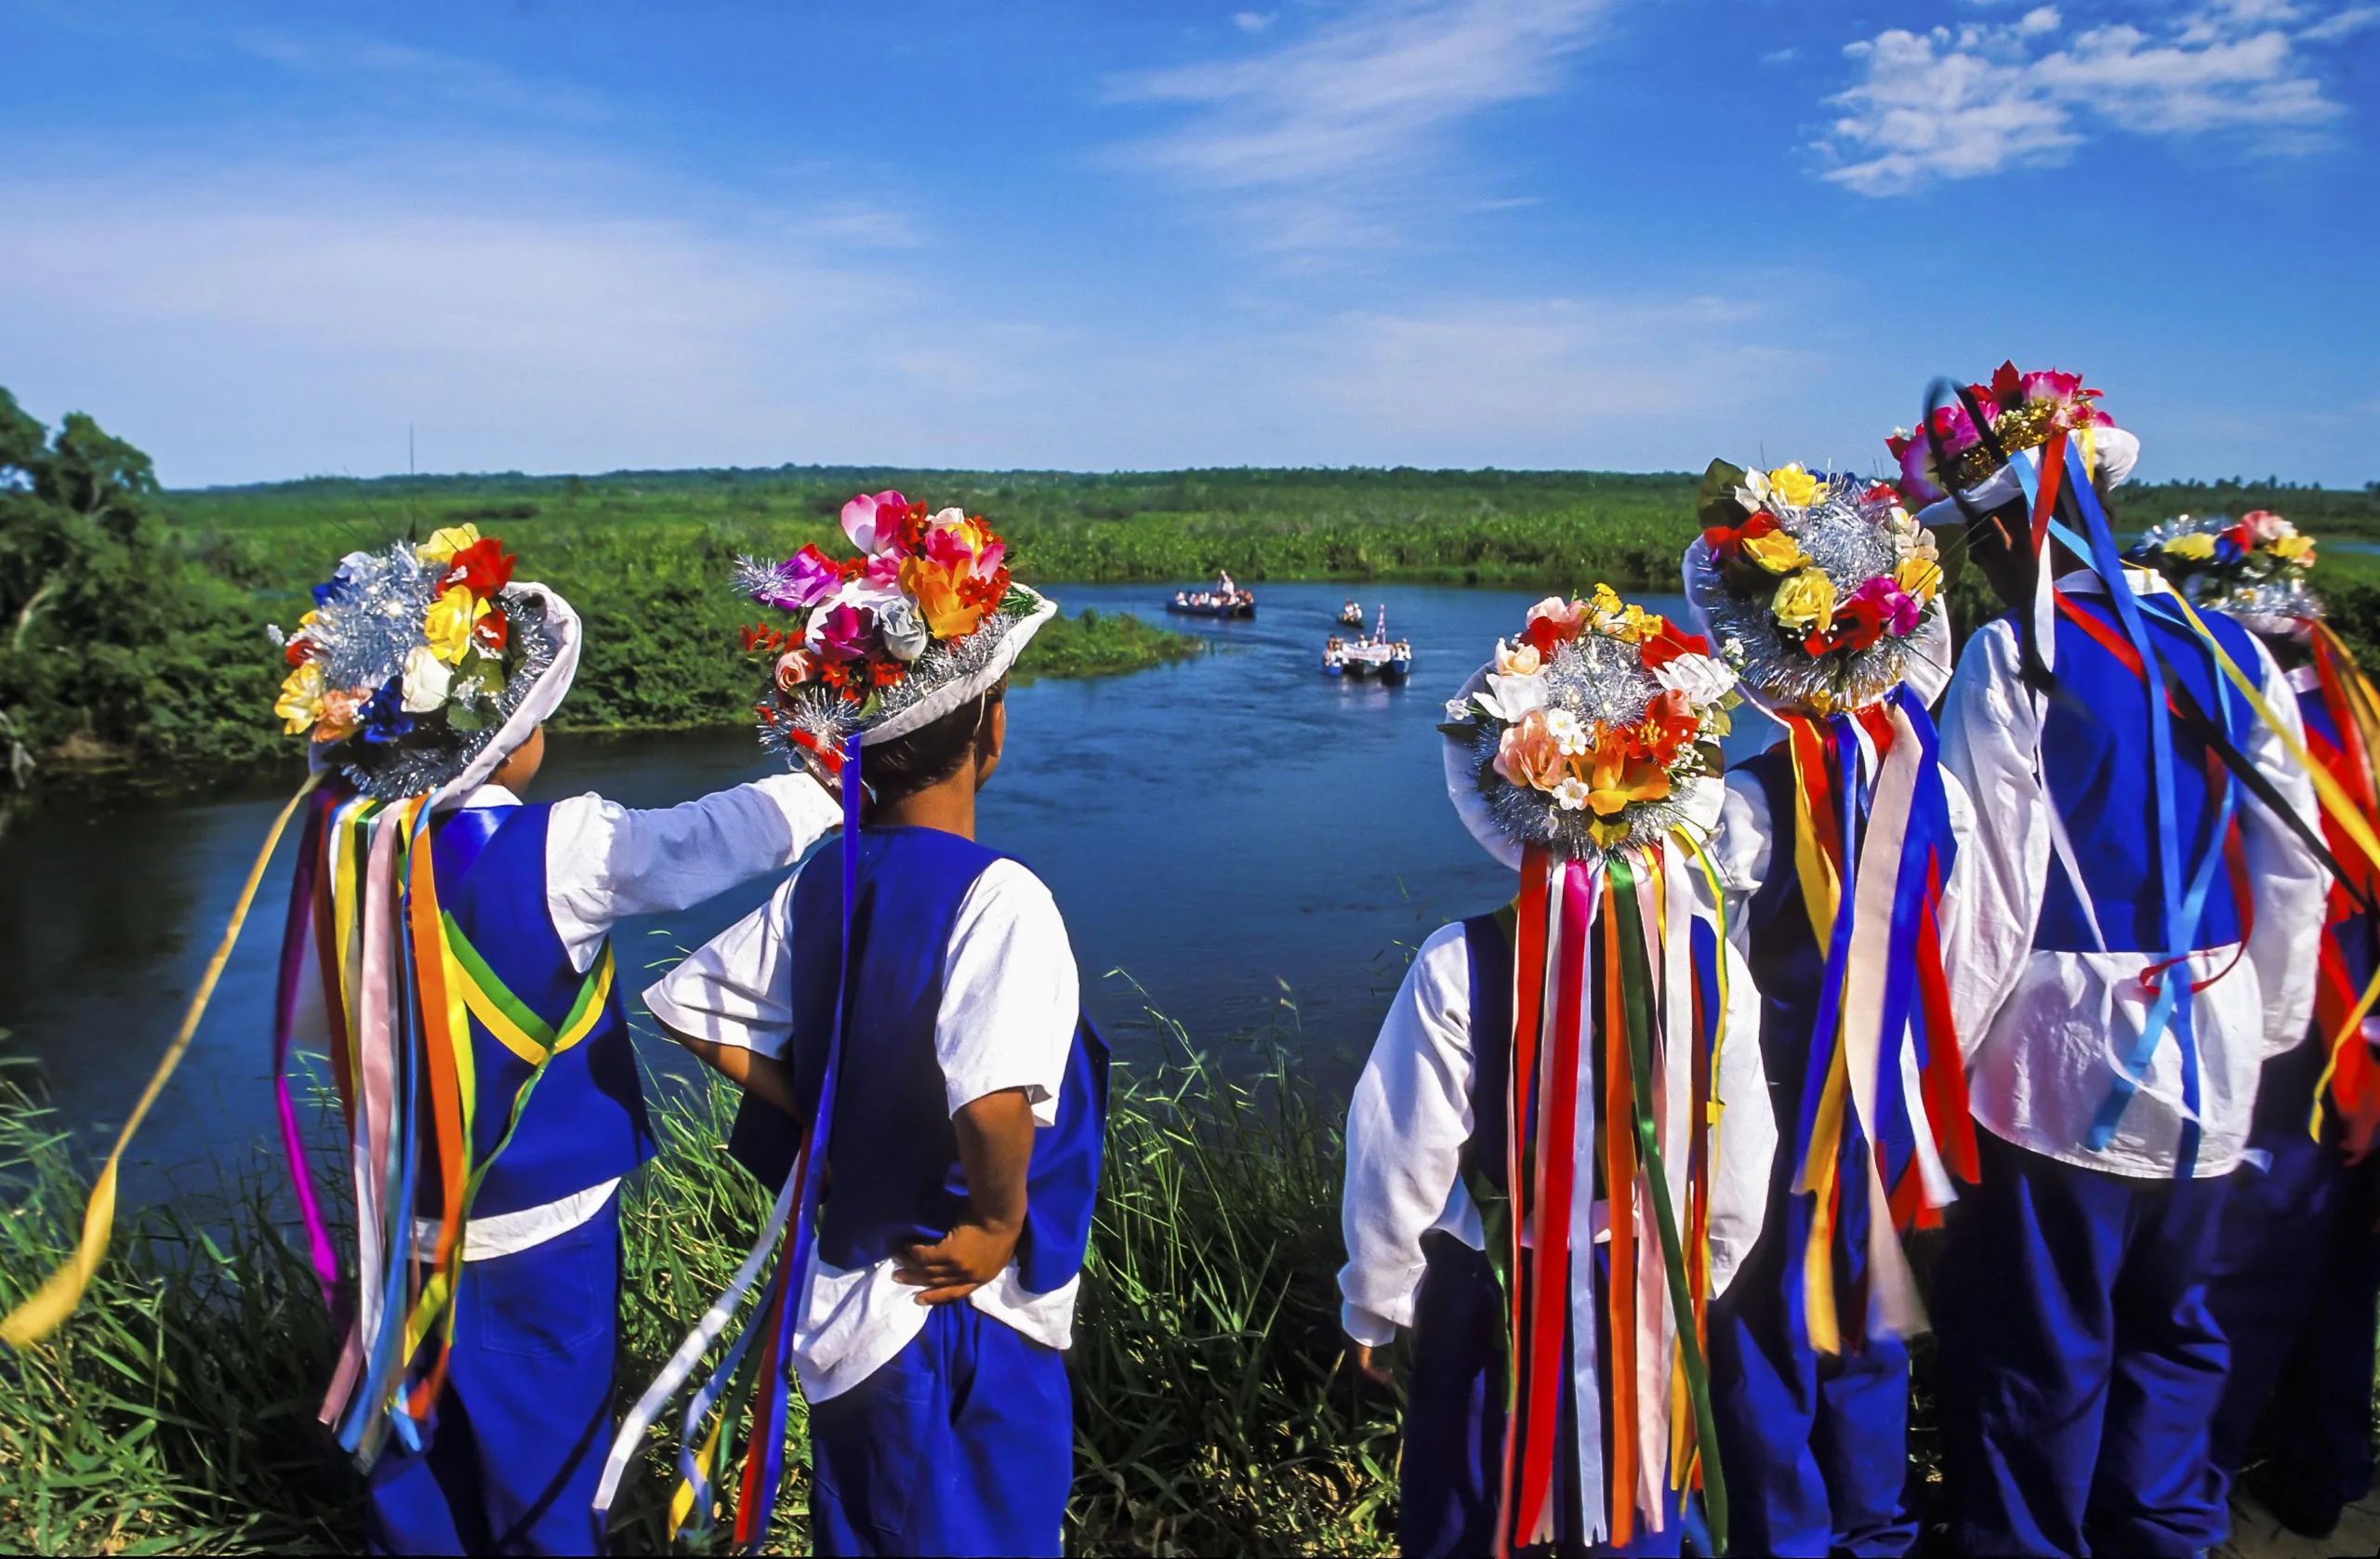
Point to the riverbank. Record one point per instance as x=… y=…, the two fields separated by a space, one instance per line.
x=175 y=1411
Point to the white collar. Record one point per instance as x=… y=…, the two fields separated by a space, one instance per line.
x=2144 y=582
x=492 y=796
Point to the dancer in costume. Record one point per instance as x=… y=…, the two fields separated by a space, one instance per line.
x=483 y=1061
x=1582 y=1039
x=1834 y=845
x=919 y=996
x=2138 y=937
x=2298 y=1276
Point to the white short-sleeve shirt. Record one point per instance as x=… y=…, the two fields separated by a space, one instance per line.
x=1010 y=999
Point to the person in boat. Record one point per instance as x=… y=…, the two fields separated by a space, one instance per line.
x=1614 y=923
x=933 y=1284
x=481 y=1404
x=1809 y=1366
x=2138 y=939
x=2298 y=1265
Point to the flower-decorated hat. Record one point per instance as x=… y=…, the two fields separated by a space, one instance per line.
x=422 y=667
x=1595 y=730
x=924 y=618
x=2021 y=411
x=2255 y=568
x=1823 y=592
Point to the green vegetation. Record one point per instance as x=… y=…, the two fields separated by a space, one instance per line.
x=176 y=1411
x=144 y=647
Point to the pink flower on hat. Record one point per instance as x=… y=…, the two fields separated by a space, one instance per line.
x=872 y=522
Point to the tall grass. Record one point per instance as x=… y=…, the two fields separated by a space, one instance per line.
x=175 y=1410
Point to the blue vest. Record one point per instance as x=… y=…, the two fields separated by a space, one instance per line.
x=893 y=1175
x=2096 y=756
x=585 y=1122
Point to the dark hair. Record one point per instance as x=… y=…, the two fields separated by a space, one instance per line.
x=906 y=765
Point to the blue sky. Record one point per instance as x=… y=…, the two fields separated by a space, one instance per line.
x=262 y=239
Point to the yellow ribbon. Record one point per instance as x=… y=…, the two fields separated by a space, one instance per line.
x=2337 y=805
x=57 y=1296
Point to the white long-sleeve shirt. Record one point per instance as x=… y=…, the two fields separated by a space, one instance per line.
x=1011 y=999
x=605 y=863
x=1410 y=1117
x=2040 y=1028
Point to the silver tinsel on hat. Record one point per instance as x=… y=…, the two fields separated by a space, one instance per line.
x=1849 y=537
x=362 y=637
x=1595 y=679
x=2262 y=591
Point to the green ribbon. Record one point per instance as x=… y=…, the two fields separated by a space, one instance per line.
x=1636 y=994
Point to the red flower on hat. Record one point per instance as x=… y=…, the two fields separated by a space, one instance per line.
x=483 y=568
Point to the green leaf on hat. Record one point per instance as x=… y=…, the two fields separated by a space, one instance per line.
x=1714 y=502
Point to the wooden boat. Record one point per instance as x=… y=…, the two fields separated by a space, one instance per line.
x=1205 y=603
x=1225 y=600
x=1351 y=614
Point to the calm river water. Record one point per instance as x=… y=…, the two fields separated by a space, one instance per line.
x=1253 y=845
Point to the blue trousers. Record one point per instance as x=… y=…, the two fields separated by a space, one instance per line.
x=1450 y=1470
x=961 y=1443
x=511 y=1453
x=2079 y=1364
x=2294 y=1290
x=1814 y=1447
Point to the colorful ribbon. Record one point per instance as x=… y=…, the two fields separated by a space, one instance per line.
x=1883 y=1118
x=1618 y=1014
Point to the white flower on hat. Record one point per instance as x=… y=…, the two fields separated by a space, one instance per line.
x=1702 y=678
x=904 y=629
x=427 y=679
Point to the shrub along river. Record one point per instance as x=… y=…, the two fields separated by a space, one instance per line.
x=1255 y=845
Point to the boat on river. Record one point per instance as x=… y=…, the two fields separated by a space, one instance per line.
x=1351 y=614
x=1391 y=660
x=1225 y=600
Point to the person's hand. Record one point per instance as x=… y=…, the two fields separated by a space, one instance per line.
x=1369 y=1366
x=958 y=1264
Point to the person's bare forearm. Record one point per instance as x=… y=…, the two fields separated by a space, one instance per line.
x=995 y=1149
x=763 y=1077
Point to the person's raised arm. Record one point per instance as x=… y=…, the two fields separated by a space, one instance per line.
x=605 y=862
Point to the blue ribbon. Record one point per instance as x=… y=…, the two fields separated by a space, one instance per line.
x=805 y=1228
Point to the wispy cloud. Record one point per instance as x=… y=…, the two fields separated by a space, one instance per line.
x=1966 y=101
x=1305 y=136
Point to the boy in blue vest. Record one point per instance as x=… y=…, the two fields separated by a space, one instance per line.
x=525 y=1118
x=963 y=1134
x=2138 y=939
x=1809 y=1370
x=2298 y=1276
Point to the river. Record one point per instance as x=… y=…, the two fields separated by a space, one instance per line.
x=1254 y=846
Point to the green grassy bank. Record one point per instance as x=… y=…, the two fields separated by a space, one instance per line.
x=176 y=1411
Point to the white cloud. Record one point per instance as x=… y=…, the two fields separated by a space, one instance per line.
x=1966 y=101
x=1253 y=22
x=1304 y=137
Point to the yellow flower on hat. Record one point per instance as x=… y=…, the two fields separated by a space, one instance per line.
x=1805 y=601
x=2196 y=547
x=1776 y=552
x=1919 y=576
x=443 y=545
x=302 y=697
x=2295 y=548
x=448 y=626
x=1794 y=487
